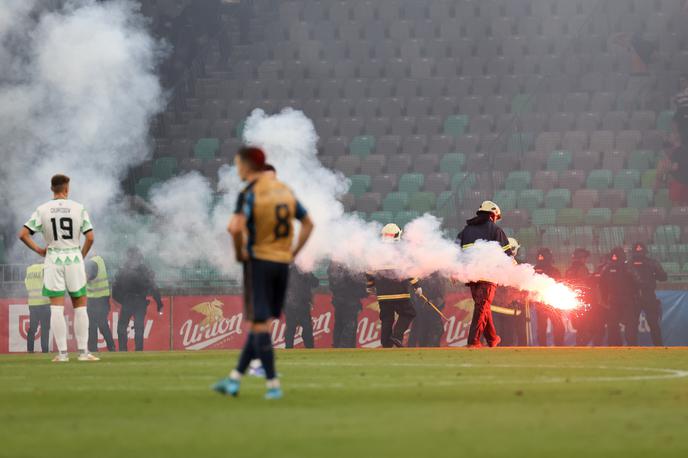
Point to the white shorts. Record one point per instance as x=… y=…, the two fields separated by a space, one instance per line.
x=64 y=272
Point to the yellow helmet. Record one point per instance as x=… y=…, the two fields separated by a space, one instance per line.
x=514 y=245
x=491 y=207
x=391 y=232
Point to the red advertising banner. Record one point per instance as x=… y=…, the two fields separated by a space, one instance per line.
x=217 y=322
x=14 y=326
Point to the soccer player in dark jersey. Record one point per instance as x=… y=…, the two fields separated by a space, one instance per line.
x=263 y=233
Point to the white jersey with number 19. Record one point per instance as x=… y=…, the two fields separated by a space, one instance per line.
x=61 y=221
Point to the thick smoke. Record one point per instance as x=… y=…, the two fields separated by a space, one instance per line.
x=77 y=92
x=289 y=140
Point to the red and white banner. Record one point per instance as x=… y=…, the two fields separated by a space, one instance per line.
x=217 y=322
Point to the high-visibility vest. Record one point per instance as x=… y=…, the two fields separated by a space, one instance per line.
x=34 y=285
x=99 y=286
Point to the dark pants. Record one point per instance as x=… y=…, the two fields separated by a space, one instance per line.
x=98 y=310
x=625 y=314
x=298 y=316
x=590 y=327
x=512 y=328
x=544 y=313
x=482 y=324
x=652 y=307
x=427 y=328
x=388 y=329
x=38 y=315
x=138 y=312
x=345 y=322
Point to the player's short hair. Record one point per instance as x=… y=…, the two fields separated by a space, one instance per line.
x=253 y=156
x=269 y=168
x=59 y=182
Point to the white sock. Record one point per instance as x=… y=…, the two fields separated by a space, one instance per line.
x=81 y=329
x=58 y=326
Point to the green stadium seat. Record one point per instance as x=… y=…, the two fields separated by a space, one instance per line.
x=641 y=160
x=570 y=216
x=581 y=236
x=528 y=237
x=395 y=202
x=627 y=179
x=411 y=182
x=598 y=217
x=684 y=269
x=404 y=217
x=559 y=161
x=452 y=163
x=667 y=234
x=626 y=217
x=648 y=179
x=362 y=145
x=455 y=125
x=662 y=199
x=206 y=148
x=445 y=205
x=611 y=237
x=462 y=181
x=555 y=237
x=143 y=186
x=422 y=202
x=679 y=253
x=599 y=179
x=506 y=199
x=360 y=184
x=558 y=198
x=164 y=168
x=671 y=268
x=518 y=180
x=520 y=142
x=658 y=252
x=544 y=217
x=382 y=217
x=639 y=198
x=239 y=129
x=2 y=250
x=530 y=199
x=522 y=103
x=665 y=120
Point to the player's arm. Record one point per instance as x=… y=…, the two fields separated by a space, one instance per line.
x=237 y=228
x=306 y=227
x=25 y=237
x=88 y=243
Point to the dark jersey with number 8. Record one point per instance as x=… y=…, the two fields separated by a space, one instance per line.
x=270 y=208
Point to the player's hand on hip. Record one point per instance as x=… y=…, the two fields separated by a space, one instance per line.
x=42 y=252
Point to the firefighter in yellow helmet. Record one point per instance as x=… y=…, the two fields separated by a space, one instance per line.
x=483 y=227
x=393 y=295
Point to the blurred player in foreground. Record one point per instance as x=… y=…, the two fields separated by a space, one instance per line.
x=262 y=230
x=62 y=222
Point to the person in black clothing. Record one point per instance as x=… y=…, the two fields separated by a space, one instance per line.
x=428 y=328
x=545 y=266
x=134 y=282
x=347 y=291
x=619 y=290
x=649 y=272
x=297 y=307
x=393 y=296
x=588 y=322
x=483 y=227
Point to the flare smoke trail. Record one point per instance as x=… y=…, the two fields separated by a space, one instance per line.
x=290 y=142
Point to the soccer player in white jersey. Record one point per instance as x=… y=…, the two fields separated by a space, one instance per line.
x=62 y=222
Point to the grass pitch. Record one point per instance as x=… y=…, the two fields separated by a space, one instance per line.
x=360 y=403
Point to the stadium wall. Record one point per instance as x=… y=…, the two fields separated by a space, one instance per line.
x=216 y=322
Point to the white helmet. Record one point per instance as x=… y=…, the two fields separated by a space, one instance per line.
x=514 y=245
x=391 y=232
x=491 y=207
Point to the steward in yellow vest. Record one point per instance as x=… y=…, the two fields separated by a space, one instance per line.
x=98 y=291
x=39 y=308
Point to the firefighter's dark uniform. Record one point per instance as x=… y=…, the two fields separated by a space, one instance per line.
x=394 y=297
x=545 y=312
x=588 y=322
x=511 y=328
x=482 y=228
x=649 y=272
x=619 y=292
x=134 y=282
x=347 y=291
x=297 y=307
x=428 y=328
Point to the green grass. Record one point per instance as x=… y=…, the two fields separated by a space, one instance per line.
x=419 y=403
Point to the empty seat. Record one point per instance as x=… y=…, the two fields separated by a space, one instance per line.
x=614 y=160
x=625 y=217
x=598 y=217
x=373 y=164
x=586 y=160
x=415 y=144
x=455 y=125
x=575 y=141
x=628 y=140
x=362 y=145
x=627 y=180
x=360 y=184
x=422 y=202
x=369 y=202
x=546 y=142
x=559 y=161
x=599 y=179
x=440 y=144
x=436 y=182
x=545 y=180
x=585 y=199
x=348 y=165
x=411 y=182
x=530 y=199
x=395 y=202
x=612 y=198
x=384 y=184
x=639 y=198
x=602 y=140
x=570 y=216
x=452 y=163
x=399 y=164
x=558 y=198
x=426 y=163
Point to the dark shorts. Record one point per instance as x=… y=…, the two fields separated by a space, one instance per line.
x=265 y=286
